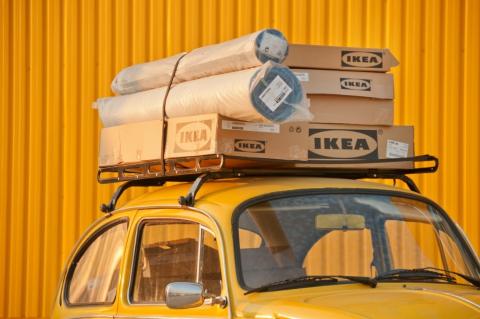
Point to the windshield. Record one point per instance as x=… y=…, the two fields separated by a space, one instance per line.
x=344 y=234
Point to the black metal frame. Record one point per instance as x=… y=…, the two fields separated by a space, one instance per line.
x=219 y=163
x=199 y=178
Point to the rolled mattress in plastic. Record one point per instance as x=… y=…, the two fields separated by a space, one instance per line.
x=242 y=53
x=269 y=93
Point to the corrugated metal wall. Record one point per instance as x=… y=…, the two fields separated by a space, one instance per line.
x=57 y=56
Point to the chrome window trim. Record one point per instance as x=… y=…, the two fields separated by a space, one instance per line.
x=193 y=209
x=199 y=252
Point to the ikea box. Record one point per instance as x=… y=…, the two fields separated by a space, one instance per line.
x=344 y=97
x=329 y=142
x=131 y=143
x=339 y=58
x=362 y=84
x=213 y=134
x=340 y=109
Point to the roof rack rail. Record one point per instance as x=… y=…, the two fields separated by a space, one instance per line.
x=195 y=166
x=199 y=174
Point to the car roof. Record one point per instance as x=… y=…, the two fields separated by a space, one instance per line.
x=229 y=193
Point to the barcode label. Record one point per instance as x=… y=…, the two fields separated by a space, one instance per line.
x=302 y=76
x=396 y=149
x=251 y=127
x=275 y=93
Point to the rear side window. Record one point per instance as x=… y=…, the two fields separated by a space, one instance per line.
x=93 y=275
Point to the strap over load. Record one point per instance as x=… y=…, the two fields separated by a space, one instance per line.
x=238 y=54
x=268 y=93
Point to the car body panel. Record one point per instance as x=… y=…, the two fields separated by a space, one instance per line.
x=127 y=309
x=61 y=309
x=215 y=204
x=388 y=300
x=229 y=193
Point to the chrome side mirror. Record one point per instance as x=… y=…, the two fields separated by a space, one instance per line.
x=182 y=295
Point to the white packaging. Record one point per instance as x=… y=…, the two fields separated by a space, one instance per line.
x=246 y=95
x=238 y=54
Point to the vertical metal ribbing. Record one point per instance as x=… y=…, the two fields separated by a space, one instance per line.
x=57 y=56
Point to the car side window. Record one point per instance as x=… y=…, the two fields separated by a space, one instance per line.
x=168 y=251
x=211 y=276
x=94 y=272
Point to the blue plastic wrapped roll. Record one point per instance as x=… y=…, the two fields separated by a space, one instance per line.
x=269 y=93
x=271 y=45
x=278 y=94
x=242 y=53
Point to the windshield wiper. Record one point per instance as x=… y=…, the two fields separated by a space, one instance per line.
x=427 y=273
x=470 y=279
x=306 y=281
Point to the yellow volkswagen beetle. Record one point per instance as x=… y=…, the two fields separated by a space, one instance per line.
x=272 y=247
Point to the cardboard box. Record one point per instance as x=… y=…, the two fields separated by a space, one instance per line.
x=343 y=97
x=212 y=134
x=364 y=84
x=307 y=144
x=311 y=143
x=131 y=143
x=339 y=58
x=339 y=109
x=327 y=142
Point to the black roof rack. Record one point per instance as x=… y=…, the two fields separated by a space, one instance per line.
x=199 y=175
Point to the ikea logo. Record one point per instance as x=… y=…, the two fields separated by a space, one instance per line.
x=342 y=144
x=355 y=84
x=362 y=59
x=193 y=136
x=250 y=146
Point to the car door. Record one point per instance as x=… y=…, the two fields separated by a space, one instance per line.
x=91 y=279
x=171 y=246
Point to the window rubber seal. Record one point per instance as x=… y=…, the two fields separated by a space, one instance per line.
x=79 y=253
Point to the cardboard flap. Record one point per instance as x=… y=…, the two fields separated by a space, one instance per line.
x=340 y=58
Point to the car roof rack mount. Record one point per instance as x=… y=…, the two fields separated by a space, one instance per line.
x=199 y=175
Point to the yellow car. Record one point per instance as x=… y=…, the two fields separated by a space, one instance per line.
x=272 y=247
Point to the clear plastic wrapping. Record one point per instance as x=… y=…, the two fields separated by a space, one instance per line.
x=238 y=54
x=269 y=93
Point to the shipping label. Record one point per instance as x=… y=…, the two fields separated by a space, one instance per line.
x=275 y=93
x=302 y=76
x=396 y=149
x=250 y=127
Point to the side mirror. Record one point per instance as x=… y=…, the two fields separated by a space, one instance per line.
x=182 y=295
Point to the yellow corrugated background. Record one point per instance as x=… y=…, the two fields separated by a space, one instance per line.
x=56 y=57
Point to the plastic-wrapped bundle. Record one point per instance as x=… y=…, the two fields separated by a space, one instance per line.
x=269 y=93
x=242 y=53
